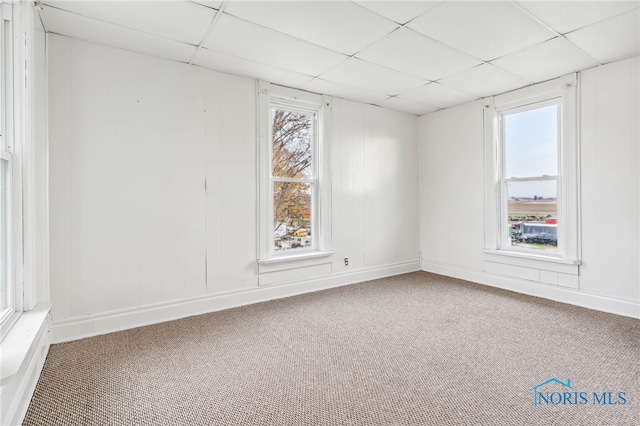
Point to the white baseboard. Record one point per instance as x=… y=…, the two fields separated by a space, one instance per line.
x=546 y=291
x=93 y=325
x=26 y=349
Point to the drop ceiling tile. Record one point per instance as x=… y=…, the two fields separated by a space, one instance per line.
x=437 y=95
x=209 y=3
x=183 y=21
x=484 y=80
x=404 y=105
x=365 y=75
x=232 y=65
x=246 y=40
x=611 y=40
x=566 y=16
x=412 y=53
x=399 y=11
x=338 y=25
x=76 y=26
x=325 y=87
x=484 y=29
x=547 y=60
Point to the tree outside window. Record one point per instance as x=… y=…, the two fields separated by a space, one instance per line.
x=294 y=178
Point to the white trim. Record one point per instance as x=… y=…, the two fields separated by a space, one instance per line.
x=565 y=89
x=19 y=147
x=295 y=96
x=324 y=213
x=28 y=160
x=23 y=355
x=491 y=182
x=263 y=182
x=504 y=240
x=26 y=344
x=270 y=95
x=532 y=256
x=14 y=133
x=295 y=257
x=92 y=325
x=534 y=93
x=628 y=308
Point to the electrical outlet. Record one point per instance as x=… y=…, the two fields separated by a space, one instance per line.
x=346 y=261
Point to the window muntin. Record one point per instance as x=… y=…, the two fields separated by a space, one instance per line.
x=530 y=177
x=294 y=178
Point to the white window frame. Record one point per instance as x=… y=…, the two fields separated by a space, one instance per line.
x=10 y=151
x=270 y=96
x=504 y=240
x=562 y=91
x=311 y=180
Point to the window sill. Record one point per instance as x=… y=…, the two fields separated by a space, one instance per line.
x=295 y=257
x=20 y=343
x=534 y=261
x=298 y=261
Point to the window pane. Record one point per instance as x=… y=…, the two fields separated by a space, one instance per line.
x=532 y=213
x=531 y=142
x=5 y=302
x=292 y=138
x=292 y=215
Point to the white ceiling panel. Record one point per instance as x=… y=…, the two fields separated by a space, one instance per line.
x=76 y=26
x=399 y=11
x=484 y=80
x=176 y=20
x=612 y=40
x=243 y=39
x=209 y=3
x=546 y=60
x=232 y=65
x=406 y=106
x=484 y=29
x=338 y=25
x=422 y=54
x=566 y=16
x=412 y=53
x=325 y=87
x=365 y=75
x=437 y=95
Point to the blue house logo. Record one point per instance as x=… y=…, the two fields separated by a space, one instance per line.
x=546 y=382
x=567 y=395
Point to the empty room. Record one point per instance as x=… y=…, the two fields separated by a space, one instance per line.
x=331 y=212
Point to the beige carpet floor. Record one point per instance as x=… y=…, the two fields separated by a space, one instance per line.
x=416 y=349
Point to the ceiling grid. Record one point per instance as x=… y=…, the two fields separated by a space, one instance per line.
x=413 y=56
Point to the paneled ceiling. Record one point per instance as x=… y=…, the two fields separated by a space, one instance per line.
x=412 y=56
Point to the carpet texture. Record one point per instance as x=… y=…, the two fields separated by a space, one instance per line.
x=415 y=349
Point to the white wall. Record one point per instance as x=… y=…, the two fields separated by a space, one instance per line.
x=127 y=169
x=375 y=175
x=610 y=163
x=452 y=186
x=136 y=239
x=452 y=194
